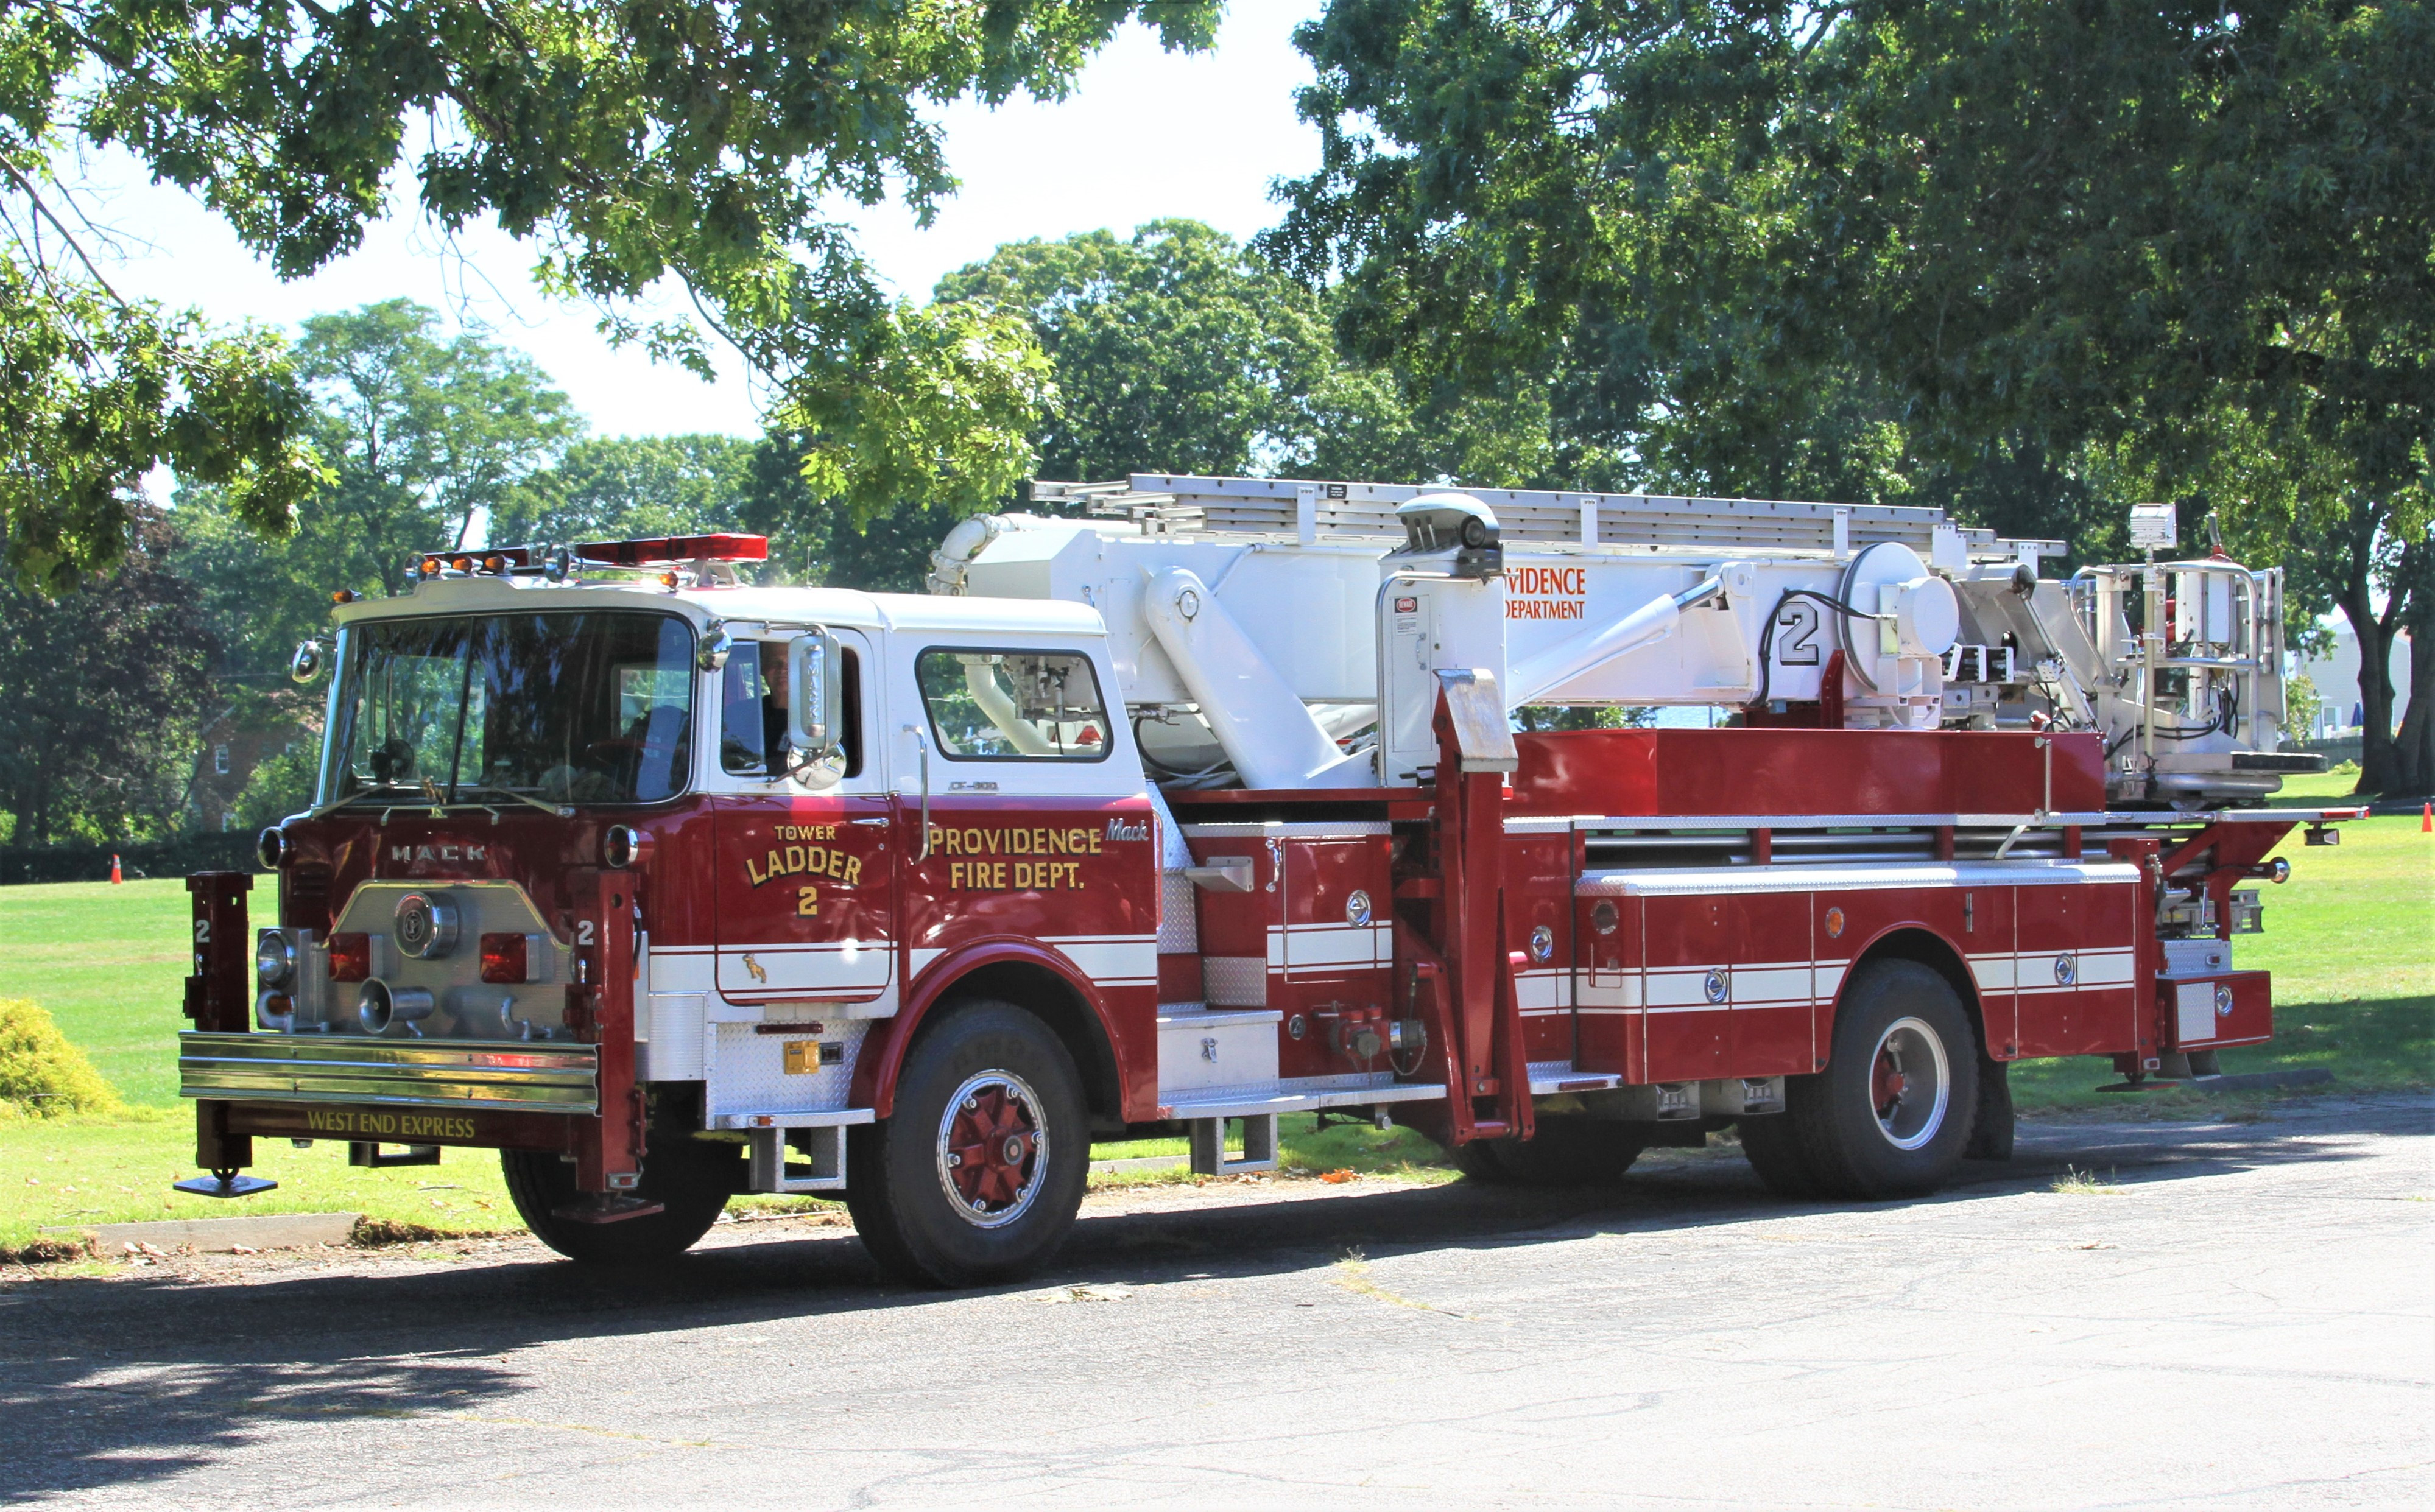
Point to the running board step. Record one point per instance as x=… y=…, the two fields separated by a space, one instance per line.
x=1252 y=1102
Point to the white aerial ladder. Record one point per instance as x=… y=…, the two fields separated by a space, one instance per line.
x=1286 y=634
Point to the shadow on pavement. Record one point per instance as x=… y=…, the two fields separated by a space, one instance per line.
x=123 y=1381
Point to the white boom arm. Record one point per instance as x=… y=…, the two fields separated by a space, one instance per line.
x=1256 y=623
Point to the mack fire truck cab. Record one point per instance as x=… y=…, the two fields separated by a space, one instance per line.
x=669 y=887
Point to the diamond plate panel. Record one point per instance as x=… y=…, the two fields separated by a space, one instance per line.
x=1179 y=915
x=747 y=1069
x=1234 y=981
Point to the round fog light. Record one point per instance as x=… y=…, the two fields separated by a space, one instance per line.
x=274 y=958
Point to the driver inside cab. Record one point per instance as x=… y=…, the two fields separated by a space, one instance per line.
x=752 y=713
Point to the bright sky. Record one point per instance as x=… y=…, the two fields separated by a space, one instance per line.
x=1147 y=135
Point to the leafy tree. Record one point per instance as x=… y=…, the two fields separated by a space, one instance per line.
x=108 y=684
x=96 y=391
x=426 y=437
x=1179 y=350
x=707 y=140
x=281 y=785
x=620 y=487
x=1948 y=235
x=1175 y=351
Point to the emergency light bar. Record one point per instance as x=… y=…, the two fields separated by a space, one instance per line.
x=672 y=549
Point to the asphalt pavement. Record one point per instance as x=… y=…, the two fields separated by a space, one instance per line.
x=2226 y=1314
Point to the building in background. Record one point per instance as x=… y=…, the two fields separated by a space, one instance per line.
x=2336 y=675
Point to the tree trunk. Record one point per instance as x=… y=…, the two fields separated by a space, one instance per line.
x=2413 y=600
x=2414 y=747
x=2380 y=757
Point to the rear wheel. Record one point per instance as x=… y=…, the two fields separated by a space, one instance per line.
x=1564 y=1152
x=1774 y=1153
x=690 y=1178
x=1891 y=1113
x=977 y=1176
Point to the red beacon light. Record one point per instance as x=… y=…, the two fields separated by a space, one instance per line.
x=652 y=553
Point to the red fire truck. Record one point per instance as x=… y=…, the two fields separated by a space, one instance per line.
x=1193 y=802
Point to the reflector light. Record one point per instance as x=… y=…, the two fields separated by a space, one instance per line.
x=351 y=957
x=674 y=548
x=503 y=957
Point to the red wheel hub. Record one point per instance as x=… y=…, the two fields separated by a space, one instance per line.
x=988 y=1146
x=1887 y=1083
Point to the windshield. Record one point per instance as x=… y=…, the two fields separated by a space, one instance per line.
x=571 y=708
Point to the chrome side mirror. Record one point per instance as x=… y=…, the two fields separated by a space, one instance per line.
x=816 y=694
x=711 y=654
x=306 y=663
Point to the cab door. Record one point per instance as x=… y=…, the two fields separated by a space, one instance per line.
x=806 y=893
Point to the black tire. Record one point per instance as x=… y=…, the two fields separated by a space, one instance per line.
x=1564 y=1152
x=692 y=1180
x=1909 y=1015
x=1991 y=1136
x=984 y=1068
x=1775 y=1155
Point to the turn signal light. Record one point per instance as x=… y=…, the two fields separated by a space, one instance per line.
x=503 y=957
x=351 y=957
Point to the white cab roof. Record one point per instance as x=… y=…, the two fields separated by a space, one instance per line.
x=840 y=607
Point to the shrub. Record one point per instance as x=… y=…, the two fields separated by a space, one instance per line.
x=41 y=1072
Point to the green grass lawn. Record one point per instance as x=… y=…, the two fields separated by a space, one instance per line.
x=2351 y=941
x=110 y=963
x=81 y=1171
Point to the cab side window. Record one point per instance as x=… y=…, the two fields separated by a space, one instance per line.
x=752 y=710
x=1010 y=705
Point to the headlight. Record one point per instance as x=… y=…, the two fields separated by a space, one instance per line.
x=274 y=958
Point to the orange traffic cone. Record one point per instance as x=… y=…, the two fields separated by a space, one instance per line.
x=2427 y=818
x=114 y=877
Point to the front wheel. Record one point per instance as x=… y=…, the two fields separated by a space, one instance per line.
x=1892 y=1111
x=978 y=1172
x=1566 y=1151
x=691 y=1180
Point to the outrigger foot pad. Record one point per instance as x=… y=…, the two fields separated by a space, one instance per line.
x=605 y=1207
x=225 y=1184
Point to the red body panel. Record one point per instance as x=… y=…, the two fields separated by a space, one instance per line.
x=1805 y=771
x=1539 y=895
x=2078 y=970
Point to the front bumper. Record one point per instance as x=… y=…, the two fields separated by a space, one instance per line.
x=364 y=1070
